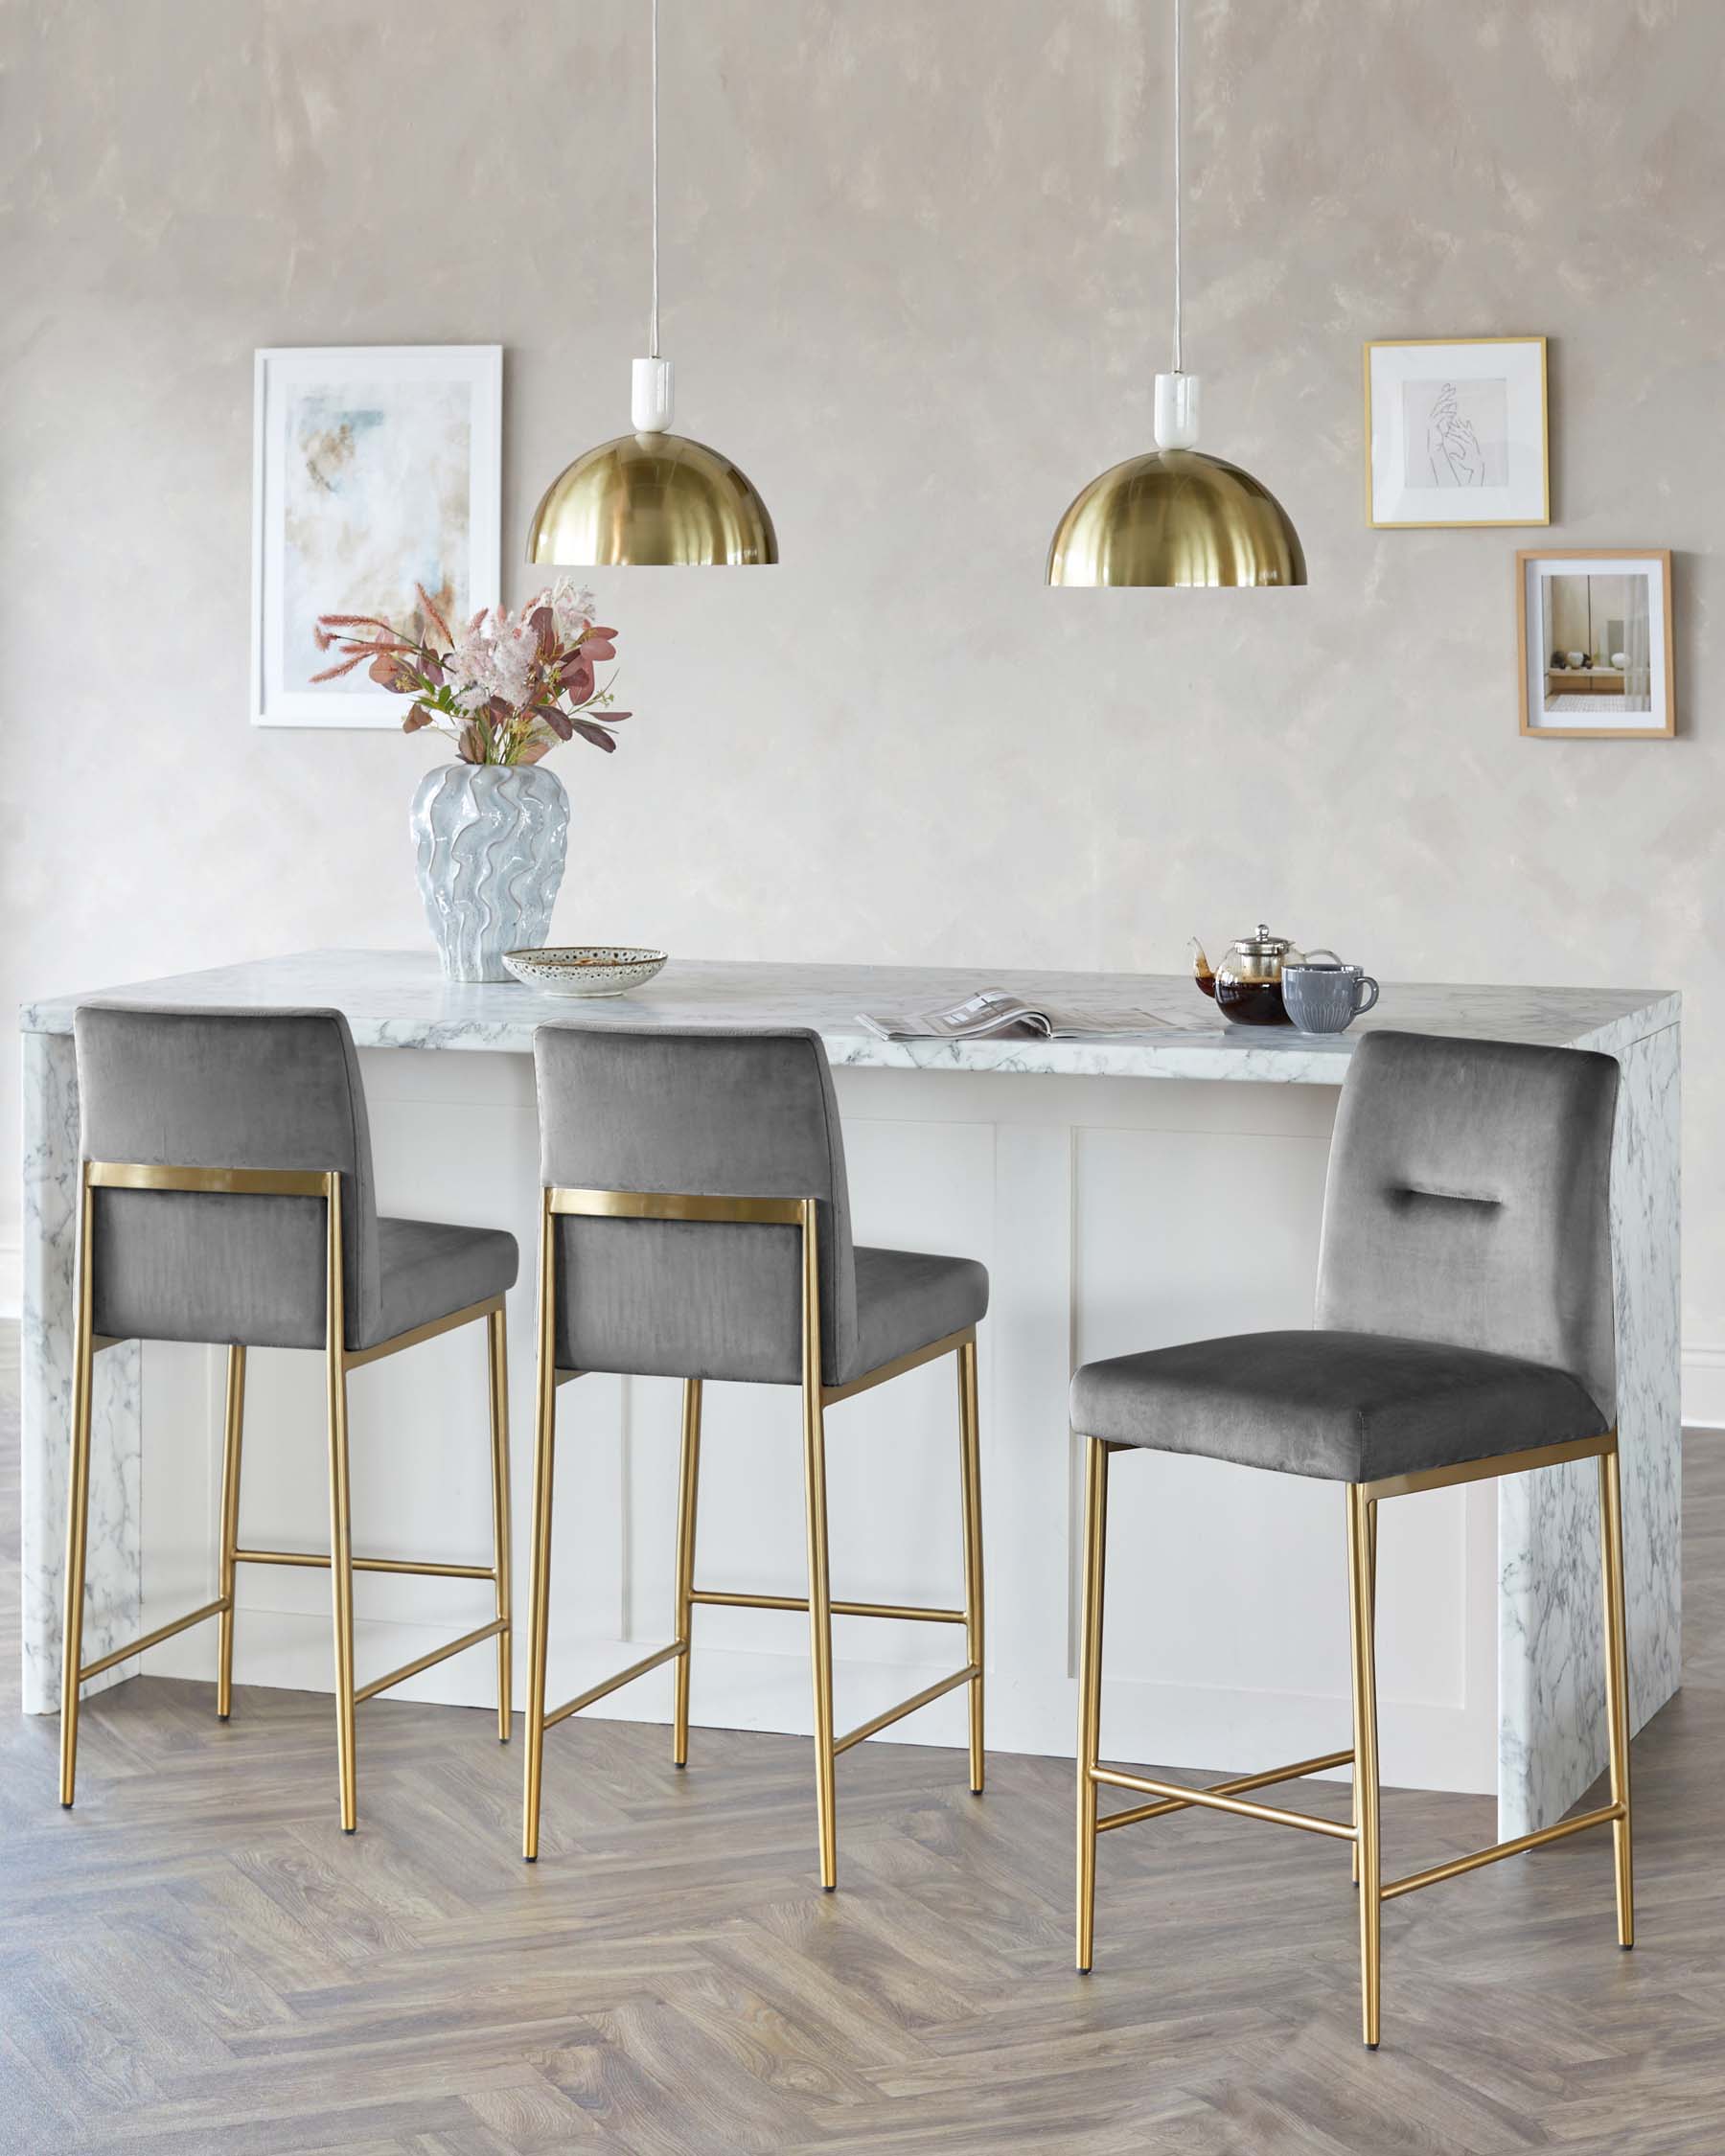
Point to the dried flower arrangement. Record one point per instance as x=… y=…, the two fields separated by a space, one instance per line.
x=508 y=687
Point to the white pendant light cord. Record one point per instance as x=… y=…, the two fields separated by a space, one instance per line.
x=652 y=327
x=652 y=399
x=1177 y=393
x=1178 y=369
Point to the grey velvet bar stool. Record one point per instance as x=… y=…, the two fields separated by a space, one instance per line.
x=226 y=1197
x=1465 y=1330
x=695 y=1224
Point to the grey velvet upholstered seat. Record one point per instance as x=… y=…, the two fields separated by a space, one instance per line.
x=253 y=1089
x=1464 y=1332
x=1464 y=1299
x=710 y=1113
x=233 y=1105
x=695 y=1224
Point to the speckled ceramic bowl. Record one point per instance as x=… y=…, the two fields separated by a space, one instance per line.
x=585 y=968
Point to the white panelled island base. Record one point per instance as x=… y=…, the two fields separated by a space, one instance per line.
x=1121 y=1199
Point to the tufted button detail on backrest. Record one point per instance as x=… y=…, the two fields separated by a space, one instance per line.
x=1468 y=1201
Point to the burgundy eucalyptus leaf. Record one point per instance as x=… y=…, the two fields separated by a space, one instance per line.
x=595 y=649
x=576 y=676
x=471 y=747
x=559 y=724
x=596 y=634
x=420 y=716
x=544 y=629
x=597 y=735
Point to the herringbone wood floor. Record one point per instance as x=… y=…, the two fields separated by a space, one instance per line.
x=196 y=1959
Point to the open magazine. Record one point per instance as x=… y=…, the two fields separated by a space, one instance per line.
x=991 y=1011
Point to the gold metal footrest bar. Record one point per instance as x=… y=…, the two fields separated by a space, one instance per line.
x=832 y=1394
x=838 y=1609
x=1606 y=1816
x=1213 y=1800
x=364 y=1564
x=1298 y=1772
x=153 y=1639
x=616 y=1684
x=1489 y=1470
x=906 y=1706
x=356 y=1358
x=438 y=1654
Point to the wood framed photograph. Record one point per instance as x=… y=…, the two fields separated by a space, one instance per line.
x=1592 y=638
x=374 y=468
x=1456 y=432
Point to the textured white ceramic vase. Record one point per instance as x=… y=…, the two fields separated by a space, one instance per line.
x=489 y=840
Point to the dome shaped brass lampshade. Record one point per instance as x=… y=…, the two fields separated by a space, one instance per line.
x=653 y=500
x=1176 y=516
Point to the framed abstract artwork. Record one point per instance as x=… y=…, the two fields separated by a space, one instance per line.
x=375 y=468
x=1593 y=637
x=1456 y=432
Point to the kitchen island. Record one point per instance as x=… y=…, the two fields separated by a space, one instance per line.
x=1122 y=1194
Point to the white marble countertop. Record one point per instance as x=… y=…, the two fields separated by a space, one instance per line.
x=400 y=1000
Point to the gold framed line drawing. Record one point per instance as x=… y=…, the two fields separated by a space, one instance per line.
x=1594 y=643
x=1457 y=432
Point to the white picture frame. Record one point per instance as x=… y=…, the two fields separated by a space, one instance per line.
x=1594 y=638
x=1456 y=433
x=406 y=442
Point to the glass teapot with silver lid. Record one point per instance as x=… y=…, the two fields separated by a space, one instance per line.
x=1247 y=985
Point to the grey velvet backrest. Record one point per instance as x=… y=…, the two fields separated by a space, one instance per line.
x=702 y=1114
x=1470 y=1201
x=226 y=1088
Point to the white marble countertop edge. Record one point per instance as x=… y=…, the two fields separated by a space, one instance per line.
x=399 y=1000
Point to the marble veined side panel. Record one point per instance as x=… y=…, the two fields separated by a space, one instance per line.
x=50 y=1220
x=1551 y=1666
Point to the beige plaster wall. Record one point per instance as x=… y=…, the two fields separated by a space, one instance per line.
x=916 y=277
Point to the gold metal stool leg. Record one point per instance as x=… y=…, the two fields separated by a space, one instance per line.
x=971 y=1480
x=1361 y=1582
x=820 y=1591
x=342 y=1539
x=821 y=1636
x=538 y=1589
x=1354 y=1853
x=1089 y=1689
x=496 y=1355
x=688 y=1493
x=1617 y=1685
x=77 y=1501
x=230 y=1530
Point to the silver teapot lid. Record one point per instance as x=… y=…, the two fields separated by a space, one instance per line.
x=1266 y=943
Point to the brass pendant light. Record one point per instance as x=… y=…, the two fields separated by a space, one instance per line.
x=1176 y=516
x=651 y=497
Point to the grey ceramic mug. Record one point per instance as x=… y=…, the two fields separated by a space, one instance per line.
x=1326 y=999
